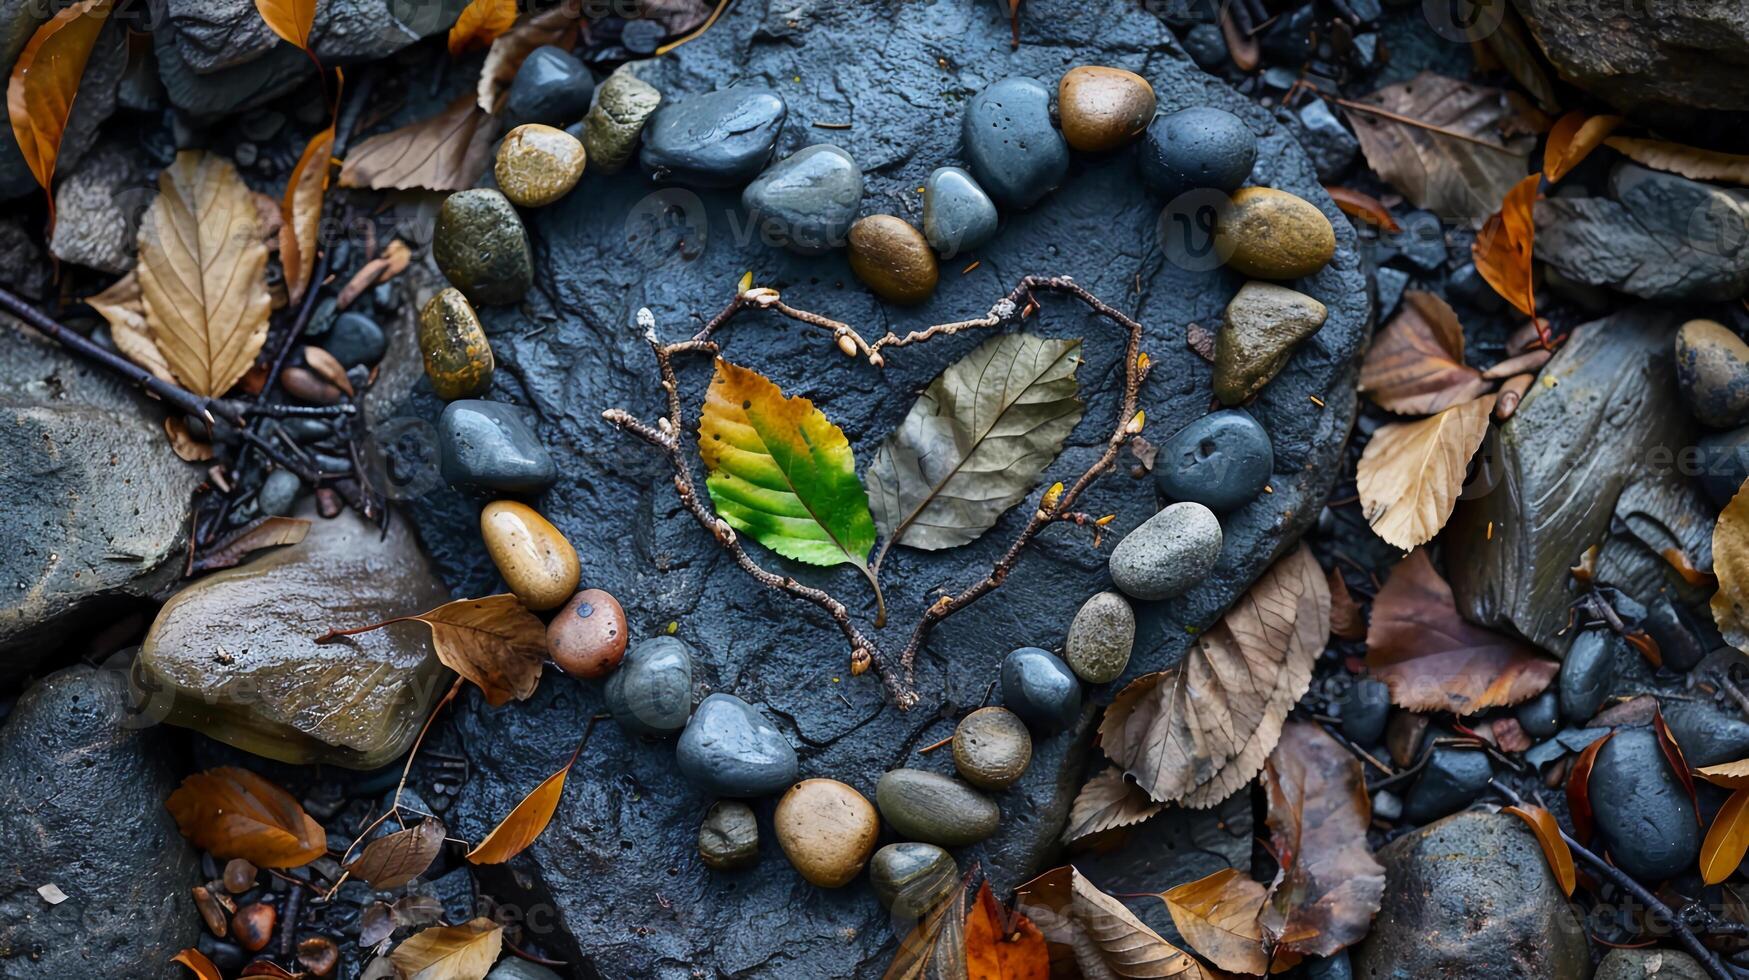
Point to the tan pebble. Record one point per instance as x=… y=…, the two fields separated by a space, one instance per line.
x=536 y=561
x=587 y=638
x=1103 y=108
x=827 y=830
x=892 y=259
x=1271 y=234
x=991 y=748
x=538 y=164
x=458 y=358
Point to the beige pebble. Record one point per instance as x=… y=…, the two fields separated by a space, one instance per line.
x=538 y=164
x=536 y=561
x=827 y=830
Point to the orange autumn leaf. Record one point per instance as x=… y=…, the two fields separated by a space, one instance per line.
x=1003 y=945
x=495 y=643
x=525 y=822
x=45 y=80
x=1572 y=139
x=197 y=961
x=1416 y=365
x=1217 y=916
x=1727 y=840
x=236 y=814
x=301 y=213
x=1579 y=790
x=290 y=19
x=1673 y=755
x=1367 y=208
x=1548 y=836
x=1504 y=249
x=480 y=23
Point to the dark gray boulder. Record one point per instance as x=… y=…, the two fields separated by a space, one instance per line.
x=215 y=34
x=82 y=790
x=1648 y=55
x=574 y=349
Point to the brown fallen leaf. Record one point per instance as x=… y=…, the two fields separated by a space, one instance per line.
x=234 y=813
x=1003 y=945
x=300 y=213
x=328 y=367
x=1416 y=363
x=384 y=267
x=1510 y=44
x=184 y=445
x=393 y=860
x=1106 y=937
x=1730 y=775
x=1433 y=659
x=1579 y=790
x=495 y=643
x=463 y=952
x=319 y=955
x=1198 y=731
x=269 y=970
x=1346 y=621
x=935 y=948
x=1107 y=801
x=1572 y=139
x=1689 y=161
x=1328 y=889
x=45 y=80
x=1411 y=473
x=203 y=273
x=262 y=532
x=1504 y=249
x=1217 y=916
x=556 y=26
x=1548 y=837
x=1367 y=208
x=447 y=152
x=1727 y=840
x=1730 y=604
x=197 y=961
x=479 y=24
x=1509 y=735
x=524 y=823
x=1673 y=755
x=123 y=307
x=290 y=19
x=1456 y=162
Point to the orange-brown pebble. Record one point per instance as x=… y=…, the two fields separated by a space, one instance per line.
x=587 y=638
x=827 y=830
x=252 y=926
x=892 y=259
x=538 y=564
x=1103 y=108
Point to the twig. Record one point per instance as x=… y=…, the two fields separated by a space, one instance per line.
x=1418 y=124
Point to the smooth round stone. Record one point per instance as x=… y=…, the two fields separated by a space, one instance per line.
x=481 y=247
x=308 y=387
x=957 y=215
x=807 y=200
x=1039 y=687
x=1100 y=638
x=1712 y=370
x=487 y=444
x=729 y=749
x=1271 y=234
x=1540 y=717
x=1587 y=674
x=537 y=165
x=1678 y=636
x=1641 y=809
x=892 y=259
x=551 y=87
x=991 y=748
x=1707 y=733
x=610 y=131
x=720 y=139
x=1453 y=777
x=458 y=357
x=1010 y=144
x=587 y=638
x=538 y=564
x=935 y=809
x=1171 y=553
x=912 y=877
x=355 y=339
x=728 y=840
x=1365 y=708
x=278 y=493
x=651 y=692
x=1103 y=108
x=1221 y=461
x=1264 y=323
x=1196 y=148
x=827 y=830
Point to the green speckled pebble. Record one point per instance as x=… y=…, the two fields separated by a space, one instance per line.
x=1100 y=638
x=935 y=809
x=481 y=247
x=537 y=165
x=458 y=358
x=910 y=878
x=991 y=748
x=610 y=131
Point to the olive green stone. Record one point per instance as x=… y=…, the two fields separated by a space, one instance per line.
x=481 y=247
x=936 y=809
x=537 y=165
x=991 y=748
x=610 y=131
x=892 y=259
x=910 y=878
x=728 y=840
x=1264 y=324
x=1271 y=234
x=458 y=358
x=1100 y=638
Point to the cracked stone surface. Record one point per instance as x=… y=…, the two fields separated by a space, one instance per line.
x=900 y=75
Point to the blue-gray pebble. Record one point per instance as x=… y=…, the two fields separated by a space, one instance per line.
x=1010 y=144
x=1642 y=810
x=730 y=749
x=1169 y=554
x=1540 y=717
x=487 y=444
x=355 y=339
x=1365 y=709
x=651 y=692
x=1039 y=687
x=1452 y=779
x=806 y=201
x=551 y=87
x=957 y=215
x=1587 y=674
x=1195 y=148
x=1221 y=461
x=278 y=493
x=719 y=139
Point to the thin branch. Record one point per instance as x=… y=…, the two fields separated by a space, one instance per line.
x=1418 y=124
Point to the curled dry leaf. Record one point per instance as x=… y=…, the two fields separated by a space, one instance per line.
x=1107 y=801
x=1730 y=604
x=935 y=948
x=1001 y=944
x=447 y=152
x=495 y=643
x=1217 y=916
x=44 y=82
x=556 y=26
x=1106 y=938
x=1672 y=750
x=197 y=961
x=234 y=813
x=525 y=822
x=479 y=24
x=1200 y=730
x=463 y=952
x=1411 y=473
x=1579 y=790
x=328 y=367
x=393 y=860
x=290 y=19
x=123 y=306
x=1555 y=850
x=1689 y=161
x=262 y=532
x=1572 y=139
x=1504 y=249
x=384 y=267
x=1433 y=659
x=1416 y=363
x=1730 y=775
x=1346 y=621
x=300 y=213
x=1727 y=840
x=1364 y=207
x=186 y=446
x=203 y=272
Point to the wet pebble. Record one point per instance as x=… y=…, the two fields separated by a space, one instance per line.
x=1587 y=674
x=355 y=339
x=718 y=139
x=1680 y=638
x=912 y=877
x=1643 y=813
x=1100 y=637
x=1271 y=234
x=1712 y=372
x=728 y=840
x=1039 y=687
x=1264 y=324
x=892 y=259
x=1707 y=733
x=935 y=809
x=991 y=748
x=1453 y=777
x=536 y=165
x=807 y=200
x=1365 y=708
x=278 y=493
x=587 y=638
x=551 y=87
x=1199 y=147
x=487 y=444
x=481 y=247
x=1010 y=144
x=827 y=830
x=1169 y=554
x=1221 y=461
x=651 y=692
x=1103 y=108
x=308 y=387
x=458 y=357
x=1540 y=717
x=610 y=131
x=957 y=215
x=730 y=749
x=537 y=562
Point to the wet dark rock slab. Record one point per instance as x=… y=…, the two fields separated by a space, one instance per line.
x=1647 y=56
x=574 y=349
